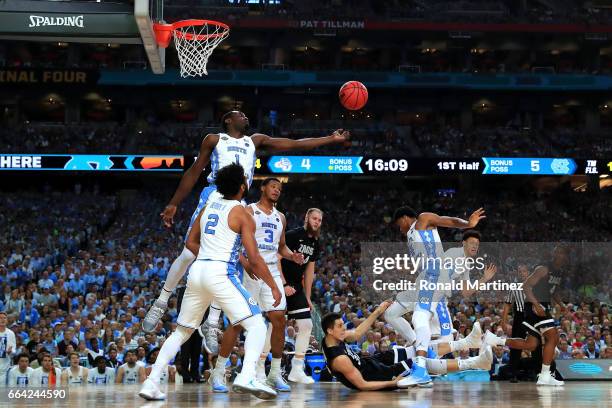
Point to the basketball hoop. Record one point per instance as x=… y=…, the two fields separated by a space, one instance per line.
x=194 y=40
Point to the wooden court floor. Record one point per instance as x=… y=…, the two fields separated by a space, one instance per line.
x=334 y=395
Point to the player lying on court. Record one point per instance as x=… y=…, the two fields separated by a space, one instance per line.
x=270 y=235
x=218 y=235
x=220 y=149
x=389 y=370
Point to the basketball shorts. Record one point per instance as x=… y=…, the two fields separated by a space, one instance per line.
x=262 y=293
x=441 y=322
x=297 y=306
x=388 y=364
x=537 y=325
x=215 y=280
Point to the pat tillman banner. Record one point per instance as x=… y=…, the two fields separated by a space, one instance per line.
x=48 y=76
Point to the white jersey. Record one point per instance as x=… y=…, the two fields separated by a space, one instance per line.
x=130 y=374
x=424 y=243
x=217 y=240
x=231 y=150
x=267 y=233
x=7 y=341
x=40 y=378
x=94 y=376
x=18 y=379
x=78 y=378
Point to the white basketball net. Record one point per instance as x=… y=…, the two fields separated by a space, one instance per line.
x=194 y=44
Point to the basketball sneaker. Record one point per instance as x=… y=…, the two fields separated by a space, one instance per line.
x=210 y=336
x=418 y=376
x=217 y=382
x=278 y=383
x=154 y=315
x=493 y=340
x=252 y=386
x=484 y=359
x=474 y=339
x=297 y=373
x=151 y=392
x=547 y=378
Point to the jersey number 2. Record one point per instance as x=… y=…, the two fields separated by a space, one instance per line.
x=213 y=220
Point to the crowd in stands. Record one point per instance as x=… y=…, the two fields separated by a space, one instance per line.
x=79 y=270
x=368 y=137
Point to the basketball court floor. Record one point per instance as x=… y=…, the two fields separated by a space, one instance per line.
x=334 y=395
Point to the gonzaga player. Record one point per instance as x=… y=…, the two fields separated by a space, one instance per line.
x=220 y=150
x=424 y=243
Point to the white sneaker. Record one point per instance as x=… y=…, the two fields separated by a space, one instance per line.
x=243 y=385
x=548 y=379
x=474 y=339
x=278 y=383
x=484 y=360
x=151 y=392
x=260 y=372
x=298 y=375
x=217 y=383
x=493 y=340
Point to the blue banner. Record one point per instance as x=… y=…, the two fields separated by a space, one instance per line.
x=315 y=164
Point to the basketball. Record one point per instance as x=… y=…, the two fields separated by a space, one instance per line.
x=353 y=95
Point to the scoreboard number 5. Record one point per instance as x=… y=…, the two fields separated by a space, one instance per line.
x=535 y=166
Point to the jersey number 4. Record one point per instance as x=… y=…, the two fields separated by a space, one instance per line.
x=213 y=220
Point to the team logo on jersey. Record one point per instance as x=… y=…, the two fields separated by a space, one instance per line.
x=252 y=301
x=246 y=144
x=277 y=220
x=257 y=212
x=224 y=137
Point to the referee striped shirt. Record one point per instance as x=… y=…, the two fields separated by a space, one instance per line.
x=517 y=298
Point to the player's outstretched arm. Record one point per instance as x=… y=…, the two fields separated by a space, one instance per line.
x=428 y=220
x=343 y=365
x=190 y=178
x=362 y=329
x=246 y=225
x=284 y=144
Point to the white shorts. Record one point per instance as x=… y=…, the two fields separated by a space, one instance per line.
x=441 y=322
x=262 y=293
x=215 y=280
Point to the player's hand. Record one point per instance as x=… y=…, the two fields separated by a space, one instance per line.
x=538 y=309
x=476 y=217
x=277 y=296
x=341 y=136
x=289 y=290
x=297 y=257
x=489 y=272
x=382 y=307
x=309 y=304
x=168 y=215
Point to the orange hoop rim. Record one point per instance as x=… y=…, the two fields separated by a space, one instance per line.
x=163 y=30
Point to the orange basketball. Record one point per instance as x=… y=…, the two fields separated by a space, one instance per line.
x=353 y=95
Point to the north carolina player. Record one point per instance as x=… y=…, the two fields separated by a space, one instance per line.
x=270 y=236
x=130 y=372
x=218 y=235
x=8 y=345
x=21 y=374
x=76 y=374
x=221 y=149
x=101 y=374
x=423 y=243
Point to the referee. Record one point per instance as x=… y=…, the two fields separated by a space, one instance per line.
x=516 y=301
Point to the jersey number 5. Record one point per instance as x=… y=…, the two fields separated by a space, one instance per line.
x=213 y=220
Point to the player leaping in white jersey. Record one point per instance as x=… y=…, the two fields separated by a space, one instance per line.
x=423 y=242
x=221 y=149
x=217 y=236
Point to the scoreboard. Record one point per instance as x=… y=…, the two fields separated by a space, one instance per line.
x=289 y=164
